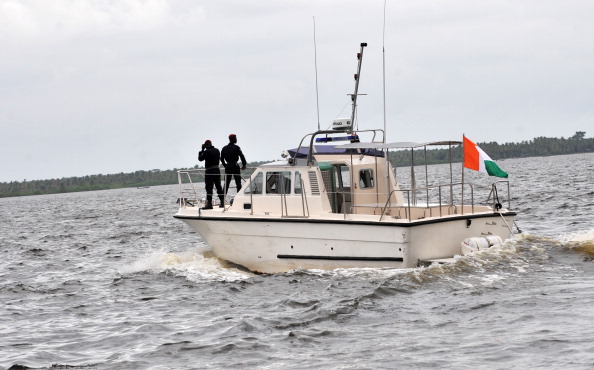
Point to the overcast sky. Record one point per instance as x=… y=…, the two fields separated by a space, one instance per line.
x=106 y=86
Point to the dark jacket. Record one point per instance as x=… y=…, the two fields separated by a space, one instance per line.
x=231 y=154
x=211 y=156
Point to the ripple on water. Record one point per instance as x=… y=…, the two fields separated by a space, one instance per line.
x=110 y=280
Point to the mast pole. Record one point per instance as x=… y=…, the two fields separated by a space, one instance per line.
x=357 y=76
x=386 y=151
x=463 y=159
x=384 y=68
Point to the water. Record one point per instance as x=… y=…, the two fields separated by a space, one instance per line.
x=109 y=280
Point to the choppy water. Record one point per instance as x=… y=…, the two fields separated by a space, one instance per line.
x=109 y=280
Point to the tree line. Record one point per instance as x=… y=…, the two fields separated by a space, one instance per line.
x=86 y=183
x=138 y=179
x=540 y=146
x=537 y=147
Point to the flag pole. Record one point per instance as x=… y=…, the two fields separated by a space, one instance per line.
x=463 y=160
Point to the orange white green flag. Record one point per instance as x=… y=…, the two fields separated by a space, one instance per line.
x=476 y=159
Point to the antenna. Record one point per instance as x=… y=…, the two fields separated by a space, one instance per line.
x=316 y=66
x=384 y=68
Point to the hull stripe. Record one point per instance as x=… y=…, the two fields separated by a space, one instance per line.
x=339 y=258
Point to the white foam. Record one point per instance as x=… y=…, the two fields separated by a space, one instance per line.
x=196 y=265
x=356 y=272
x=578 y=237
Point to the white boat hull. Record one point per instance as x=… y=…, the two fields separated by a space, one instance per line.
x=284 y=244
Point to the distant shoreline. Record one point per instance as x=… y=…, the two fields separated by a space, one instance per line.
x=538 y=147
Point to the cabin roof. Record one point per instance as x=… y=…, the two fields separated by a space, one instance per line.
x=397 y=145
x=279 y=163
x=335 y=149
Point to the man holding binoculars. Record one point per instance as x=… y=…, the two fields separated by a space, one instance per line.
x=212 y=157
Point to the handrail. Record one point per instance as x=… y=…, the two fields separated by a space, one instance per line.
x=310 y=153
x=192 y=189
x=283 y=196
x=190 y=193
x=389 y=202
x=304 y=204
x=440 y=204
x=495 y=196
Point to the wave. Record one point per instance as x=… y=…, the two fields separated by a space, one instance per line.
x=581 y=241
x=515 y=256
x=580 y=236
x=366 y=273
x=482 y=268
x=197 y=265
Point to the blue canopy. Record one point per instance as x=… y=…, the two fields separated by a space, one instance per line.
x=329 y=149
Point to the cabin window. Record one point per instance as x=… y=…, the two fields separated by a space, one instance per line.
x=255 y=186
x=298 y=185
x=366 y=178
x=345 y=176
x=278 y=182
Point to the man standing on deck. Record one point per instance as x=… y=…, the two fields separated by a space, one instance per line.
x=229 y=157
x=212 y=177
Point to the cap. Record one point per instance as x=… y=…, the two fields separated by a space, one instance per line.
x=231 y=136
x=207 y=142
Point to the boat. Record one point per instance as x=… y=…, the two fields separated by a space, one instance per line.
x=335 y=201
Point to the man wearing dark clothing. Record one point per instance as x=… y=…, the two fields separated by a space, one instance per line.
x=230 y=155
x=211 y=156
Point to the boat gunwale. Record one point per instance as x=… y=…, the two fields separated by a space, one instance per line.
x=387 y=222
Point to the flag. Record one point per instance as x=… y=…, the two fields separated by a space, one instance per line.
x=476 y=159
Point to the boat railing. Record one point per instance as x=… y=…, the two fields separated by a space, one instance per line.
x=284 y=206
x=444 y=204
x=187 y=188
x=312 y=136
x=428 y=208
x=493 y=197
x=191 y=181
x=191 y=188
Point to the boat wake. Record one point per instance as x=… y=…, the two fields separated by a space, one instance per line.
x=490 y=266
x=198 y=265
x=582 y=241
x=579 y=241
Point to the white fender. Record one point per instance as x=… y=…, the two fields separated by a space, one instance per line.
x=479 y=243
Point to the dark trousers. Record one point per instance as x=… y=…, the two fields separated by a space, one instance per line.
x=212 y=178
x=232 y=170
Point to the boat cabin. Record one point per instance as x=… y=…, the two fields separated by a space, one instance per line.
x=339 y=179
x=354 y=178
x=339 y=176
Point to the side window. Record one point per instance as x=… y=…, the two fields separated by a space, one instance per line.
x=345 y=176
x=298 y=187
x=278 y=182
x=337 y=175
x=366 y=178
x=255 y=186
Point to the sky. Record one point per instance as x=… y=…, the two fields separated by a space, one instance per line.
x=107 y=86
